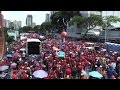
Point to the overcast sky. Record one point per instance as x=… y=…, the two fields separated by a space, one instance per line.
x=39 y=16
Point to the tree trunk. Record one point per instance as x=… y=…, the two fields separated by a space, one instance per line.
x=85 y=34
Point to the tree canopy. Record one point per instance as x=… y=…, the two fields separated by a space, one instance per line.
x=37 y=28
x=60 y=19
x=107 y=21
x=46 y=26
x=91 y=22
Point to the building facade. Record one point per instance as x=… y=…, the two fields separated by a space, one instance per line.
x=29 y=20
x=47 y=18
x=17 y=24
x=75 y=32
x=33 y=24
x=88 y=13
x=1 y=20
x=11 y=25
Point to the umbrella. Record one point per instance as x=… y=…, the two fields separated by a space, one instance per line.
x=9 y=55
x=60 y=54
x=22 y=49
x=13 y=65
x=40 y=74
x=95 y=74
x=3 y=75
x=2 y=68
x=103 y=50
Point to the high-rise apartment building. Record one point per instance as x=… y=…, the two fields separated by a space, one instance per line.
x=33 y=25
x=29 y=20
x=17 y=24
x=88 y=13
x=11 y=25
x=6 y=23
x=47 y=18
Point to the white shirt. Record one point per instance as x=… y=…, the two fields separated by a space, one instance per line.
x=113 y=64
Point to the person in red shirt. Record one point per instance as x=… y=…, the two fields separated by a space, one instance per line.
x=14 y=75
x=68 y=70
x=24 y=75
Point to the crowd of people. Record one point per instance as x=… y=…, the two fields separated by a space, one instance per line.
x=79 y=60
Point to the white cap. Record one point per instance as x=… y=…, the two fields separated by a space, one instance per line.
x=46 y=57
x=96 y=66
x=28 y=67
x=20 y=59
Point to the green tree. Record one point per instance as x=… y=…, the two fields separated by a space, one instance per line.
x=37 y=28
x=60 y=19
x=21 y=30
x=87 y=23
x=107 y=21
x=26 y=29
x=10 y=39
x=5 y=32
x=46 y=26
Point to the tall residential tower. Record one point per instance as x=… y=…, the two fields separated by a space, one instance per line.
x=29 y=20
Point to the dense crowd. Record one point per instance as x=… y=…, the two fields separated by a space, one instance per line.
x=80 y=58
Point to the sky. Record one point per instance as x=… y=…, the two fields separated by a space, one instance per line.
x=38 y=16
